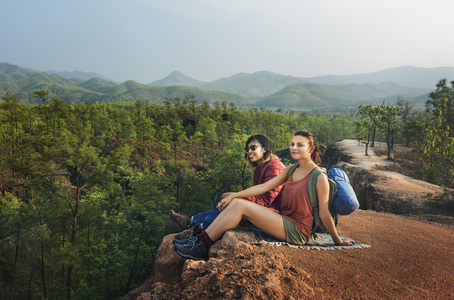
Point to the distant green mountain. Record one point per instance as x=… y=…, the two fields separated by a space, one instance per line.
x=264 y=83
x=406 y=75
x=258 y=84
x=78 y=74
x=10 y=72
x=99 y=90
x=177 y=78
x=313 y=95
x=98 y=85
x=265 y=89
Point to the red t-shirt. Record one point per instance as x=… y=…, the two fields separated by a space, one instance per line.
x=296 y=205
x=263 y=173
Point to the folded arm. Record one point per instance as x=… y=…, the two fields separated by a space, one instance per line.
x=256 y=189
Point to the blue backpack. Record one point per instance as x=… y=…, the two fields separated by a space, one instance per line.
x=342 y=198
x=345 y=201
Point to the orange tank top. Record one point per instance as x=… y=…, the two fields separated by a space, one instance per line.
x=296 y=206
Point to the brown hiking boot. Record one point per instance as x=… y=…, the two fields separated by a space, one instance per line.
x=180 y=221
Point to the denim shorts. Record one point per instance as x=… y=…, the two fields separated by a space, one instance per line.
x=293 y=234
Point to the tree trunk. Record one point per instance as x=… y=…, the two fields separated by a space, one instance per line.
x=42 y=271
x=373 y=137
x=30 y=281
x=62 y=265
x=388 y=142
x=68 y=282
x=73 y=239
x=135 y=258
x=367 y=141
x=177 y=185
x=16 y=255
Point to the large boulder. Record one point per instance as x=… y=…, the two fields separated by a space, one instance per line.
x=238 y=267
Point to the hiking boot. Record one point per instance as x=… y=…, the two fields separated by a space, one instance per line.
x=192 y=248
x=187 y=239
x=188 y=233
x=180 y=221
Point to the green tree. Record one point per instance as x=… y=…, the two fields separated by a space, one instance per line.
x=442 y=99
x=84 y=168
x=437 y=155
x=407 y=118
x=366 y=126
x=388 y=124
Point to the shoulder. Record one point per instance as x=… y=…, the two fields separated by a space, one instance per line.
x=275 y=163
x=322 y=177
x=319 y=172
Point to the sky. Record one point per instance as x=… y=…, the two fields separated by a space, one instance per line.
x=146 y=40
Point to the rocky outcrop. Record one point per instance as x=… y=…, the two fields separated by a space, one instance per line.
x=238 y=268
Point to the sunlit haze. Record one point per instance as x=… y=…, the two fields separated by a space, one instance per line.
x=145 y=40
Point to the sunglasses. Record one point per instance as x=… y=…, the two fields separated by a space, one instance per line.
x=252 y=147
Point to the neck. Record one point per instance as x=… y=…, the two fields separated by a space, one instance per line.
x=262 y=161
x=306 y=164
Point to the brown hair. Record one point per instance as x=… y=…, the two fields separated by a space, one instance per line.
x=266 y=144
x=315 y=156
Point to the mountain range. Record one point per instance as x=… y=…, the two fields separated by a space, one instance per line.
x=259 y=89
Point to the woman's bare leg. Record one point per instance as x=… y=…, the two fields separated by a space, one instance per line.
x=262 y=217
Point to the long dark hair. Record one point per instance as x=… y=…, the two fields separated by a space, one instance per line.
x=315 y=156
x=267 y=146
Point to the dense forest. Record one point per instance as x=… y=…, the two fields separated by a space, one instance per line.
x=85 y=188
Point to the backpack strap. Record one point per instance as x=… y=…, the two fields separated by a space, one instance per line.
x=312 y=187
x=292 y=169
x=312 y=191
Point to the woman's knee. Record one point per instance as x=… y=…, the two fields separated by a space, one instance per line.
x=239 y=204
x=236 y=203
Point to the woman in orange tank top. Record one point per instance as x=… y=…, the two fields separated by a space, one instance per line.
x=293 y=223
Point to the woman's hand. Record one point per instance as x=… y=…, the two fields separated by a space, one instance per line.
x=346 y=242
x=226 y=194
x=225 y=202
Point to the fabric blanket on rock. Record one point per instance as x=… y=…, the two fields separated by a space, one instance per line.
x=322 y=241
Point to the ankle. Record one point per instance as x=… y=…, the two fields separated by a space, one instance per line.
x=205 y=239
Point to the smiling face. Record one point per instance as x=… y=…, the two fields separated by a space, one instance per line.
x=256 y=155
x=300 y=147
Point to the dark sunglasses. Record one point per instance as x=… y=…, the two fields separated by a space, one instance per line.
x=252 y=147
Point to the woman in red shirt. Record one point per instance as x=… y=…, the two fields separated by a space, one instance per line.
x=293 y=223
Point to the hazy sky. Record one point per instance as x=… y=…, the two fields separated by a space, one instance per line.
x=145 y=40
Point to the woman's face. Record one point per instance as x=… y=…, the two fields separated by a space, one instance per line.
x=255 y=155
x=300 y=147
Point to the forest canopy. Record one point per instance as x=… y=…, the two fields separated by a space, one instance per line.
x=85 y=188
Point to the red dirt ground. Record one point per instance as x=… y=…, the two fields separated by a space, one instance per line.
x=408 y=260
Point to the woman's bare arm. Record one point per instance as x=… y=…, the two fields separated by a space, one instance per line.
x=325 y=215
x=256 y=189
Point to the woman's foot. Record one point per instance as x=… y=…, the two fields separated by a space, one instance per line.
x=180 y=221
x=190 y=232
x=192 y=248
